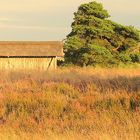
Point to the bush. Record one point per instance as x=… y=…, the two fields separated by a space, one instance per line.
x=125 y=58
x=135 y=58
x=93 y=55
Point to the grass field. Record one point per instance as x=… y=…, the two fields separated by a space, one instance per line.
x=70 y=104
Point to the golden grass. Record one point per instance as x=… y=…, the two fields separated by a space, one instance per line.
x=70 y=104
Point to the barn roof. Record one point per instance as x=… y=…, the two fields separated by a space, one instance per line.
x=31 y=48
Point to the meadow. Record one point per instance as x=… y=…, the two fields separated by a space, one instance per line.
x=70 y=104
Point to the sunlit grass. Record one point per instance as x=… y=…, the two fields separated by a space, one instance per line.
x=70 y=103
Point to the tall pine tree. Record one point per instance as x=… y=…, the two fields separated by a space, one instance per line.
x=96 y=40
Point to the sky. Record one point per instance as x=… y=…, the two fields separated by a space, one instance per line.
x=43 y=20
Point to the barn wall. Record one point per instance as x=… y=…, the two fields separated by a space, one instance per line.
x=28 y=63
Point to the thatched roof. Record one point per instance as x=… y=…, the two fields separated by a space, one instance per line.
x=29 y=48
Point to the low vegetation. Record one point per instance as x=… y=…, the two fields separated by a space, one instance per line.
x=71 y=103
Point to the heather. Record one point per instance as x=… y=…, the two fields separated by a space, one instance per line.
x=70 y=103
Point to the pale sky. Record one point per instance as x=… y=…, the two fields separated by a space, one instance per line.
x=42 y=20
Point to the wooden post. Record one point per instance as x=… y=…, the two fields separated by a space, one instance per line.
x=55 y=62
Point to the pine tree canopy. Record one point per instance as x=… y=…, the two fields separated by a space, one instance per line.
x=96 y=40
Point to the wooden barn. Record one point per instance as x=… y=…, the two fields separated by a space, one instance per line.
x=16 y=55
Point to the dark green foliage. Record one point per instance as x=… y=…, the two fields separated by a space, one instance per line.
x=125 y=58
x=72 y=47
x=135 y=58
x=93 y=55
x=97 y=40
x=94 y=9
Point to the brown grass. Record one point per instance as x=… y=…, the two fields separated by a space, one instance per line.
x=70 y=103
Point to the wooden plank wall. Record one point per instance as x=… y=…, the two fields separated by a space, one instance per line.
x=28 y=63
